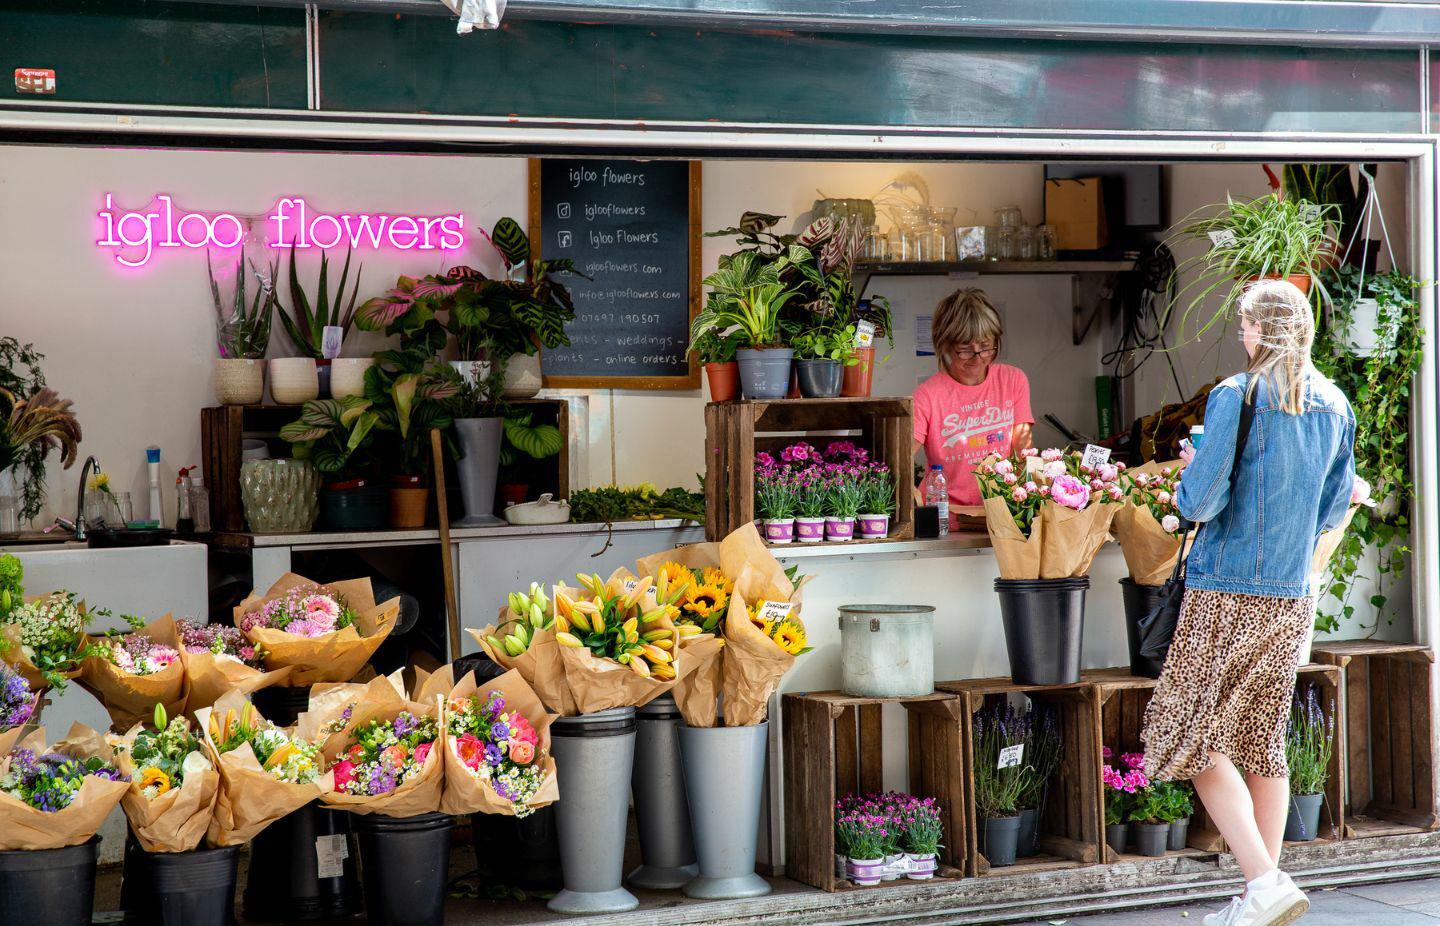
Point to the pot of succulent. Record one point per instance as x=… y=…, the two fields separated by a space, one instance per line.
x=1309 y=748
x=318 y=329
x=1000 y=778
x=717 y=352
x=821 y=355
x=337 y=436
x=33 y=421
x=242 y=331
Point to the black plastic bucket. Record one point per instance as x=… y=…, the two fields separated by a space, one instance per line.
x=194 y=888
x=406 y=861
x=1044 y=626
x=1140 y=600
x=51 y=886
x=282 y=704
x=524 y=852
x=285 y=881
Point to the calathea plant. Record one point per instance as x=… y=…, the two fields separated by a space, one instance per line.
x=331 y=432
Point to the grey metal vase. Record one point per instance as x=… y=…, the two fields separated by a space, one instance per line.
x=819 y=379
x=280 y=496
x=594 y=756
x=478 y=468
x=764 y=374
x=662 y=815
x=724 y=772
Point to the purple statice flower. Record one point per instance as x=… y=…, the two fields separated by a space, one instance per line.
x=496 y=704
x=108 y=773
x=504 y=790
x=500 y=732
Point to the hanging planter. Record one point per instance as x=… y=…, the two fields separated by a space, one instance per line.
x=724 y=774
x=407 y=861
x=51 y=886
x=594 y=760
x=662 y=816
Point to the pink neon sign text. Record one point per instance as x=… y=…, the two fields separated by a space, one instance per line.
x=134 y=236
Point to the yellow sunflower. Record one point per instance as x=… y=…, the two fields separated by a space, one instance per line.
x=712 y=576
x=764 y=625
x=674 y=576
x=702 y=601
x=789 y=636
x=152 y=777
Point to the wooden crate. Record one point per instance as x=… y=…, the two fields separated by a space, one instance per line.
x=833 y=747
x=1071 y=822
x=736 y=431
x=1389 y=735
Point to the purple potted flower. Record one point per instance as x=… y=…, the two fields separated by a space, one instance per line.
x=842 y=503
x=775 y=497
x=877 y=502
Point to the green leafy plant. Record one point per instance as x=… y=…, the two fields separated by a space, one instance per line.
x=746 y=296
x=411 y=396
x=242 y=326
x=836 y=344
x=523 y=437
x=33 y=421
x=332 y=432
x=644 y=502
x=714 y=347
x=306 y=326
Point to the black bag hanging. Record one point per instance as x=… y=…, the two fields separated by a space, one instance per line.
x=1157 y=628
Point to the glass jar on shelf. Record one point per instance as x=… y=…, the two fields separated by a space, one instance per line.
x=911 y=229
x=1009 y=217
x=941 y=227
x=1025 y=242
x=877 y=244
x=1005 y=243
x=1045 y=242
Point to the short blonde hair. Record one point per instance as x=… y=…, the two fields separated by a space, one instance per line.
x=966 y=316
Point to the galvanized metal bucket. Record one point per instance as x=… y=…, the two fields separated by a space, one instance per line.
x=724 y=772
x=594 y=757
x=887 y=650
x=662 y=816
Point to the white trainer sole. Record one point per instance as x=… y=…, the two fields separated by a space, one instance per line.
x=1287 y=915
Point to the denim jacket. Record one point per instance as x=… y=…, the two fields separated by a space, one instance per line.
x=1294 y=483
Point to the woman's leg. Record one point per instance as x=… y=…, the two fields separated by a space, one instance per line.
x=1271 y=797
x=1227 y=800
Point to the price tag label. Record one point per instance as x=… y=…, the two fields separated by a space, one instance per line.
x=330 y=855
x=331 y=340
x=775 y=611
x=864 y=334
x=1309 y=211
x=1095 y=457
x=631 y=584
x=1221 y=238
x=1011 y=756
x=1033 y=465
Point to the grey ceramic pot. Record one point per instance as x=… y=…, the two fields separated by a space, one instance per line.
x=724 y=772
x=280 y=496
x=1303 y=822
x=1151 y=838
x=1002 y=835
x=662 y=816
x=819 y=379
x=764 y=374
x=1117 y=837
x=594 y=757
x=1028 y=842
x=478 y=467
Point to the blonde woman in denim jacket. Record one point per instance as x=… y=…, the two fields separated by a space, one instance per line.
x=1223 y=699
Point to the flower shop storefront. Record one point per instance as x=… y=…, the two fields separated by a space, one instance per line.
x=696 y=709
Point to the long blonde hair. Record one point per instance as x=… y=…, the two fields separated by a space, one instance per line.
x=1287 y=330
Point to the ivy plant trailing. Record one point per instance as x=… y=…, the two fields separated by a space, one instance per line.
x=1379 y=388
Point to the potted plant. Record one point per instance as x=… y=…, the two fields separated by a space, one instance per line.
x=747 y=296
x=1120 y=788
x=1179 y=804
x=317 y=333
x=1309 y=746
x=842 y=505
x=411 y=396
x=820 y=356
x=999 y=781
x=337 y=435
x=717 y=352
x=526 y=443
x=776 y=494
x=242 y=333
x=860 y=833
x=1043 y=752
x=1147 y=804
x=920 y=835
x=33 y=421
x=858 y=378
x=877 y=502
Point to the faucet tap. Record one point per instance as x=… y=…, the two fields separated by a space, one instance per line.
x=90 y=462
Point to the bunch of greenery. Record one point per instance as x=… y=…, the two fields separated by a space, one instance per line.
x=824 y=343
x=33 y=421
x=644 y=502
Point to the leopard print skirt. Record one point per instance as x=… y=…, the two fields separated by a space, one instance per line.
x=1226 y=685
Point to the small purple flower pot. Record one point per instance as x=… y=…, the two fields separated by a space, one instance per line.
x=810 y=530
x=780 y=530
x=874 y=526
x=840 y=529
x=866 y=871
x=922 y=867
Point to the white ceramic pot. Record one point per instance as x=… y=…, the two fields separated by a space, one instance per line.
x=294 y=380
x=239 y=382
x=522 y=376
x=347 y=376
x=544 y=511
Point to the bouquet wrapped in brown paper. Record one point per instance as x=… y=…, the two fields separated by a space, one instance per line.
x=385 y=758
x=45 y=639
x=219 y=658
x=1048 y=512
x=131 y=673
x=265 y=772
x=47 y=802
x=523 y=638
x=173 y=784
x=324 y=633
x=704 y=592
x=763 y=637
x=1148 y=526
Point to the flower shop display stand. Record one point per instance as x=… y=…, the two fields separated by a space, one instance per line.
x=833 y=747
x=1071 y=821
x=1389 y=735
x=736 y=431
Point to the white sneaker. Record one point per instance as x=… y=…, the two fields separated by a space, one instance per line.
x=1224 y=917
x=1279 y=905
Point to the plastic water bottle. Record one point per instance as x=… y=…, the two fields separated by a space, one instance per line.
x=937 y=493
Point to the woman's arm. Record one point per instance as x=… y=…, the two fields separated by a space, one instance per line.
x=1022 y=437
x=1339 y=481
x=1205 y=483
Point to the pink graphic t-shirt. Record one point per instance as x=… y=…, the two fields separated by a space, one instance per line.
x=961 y=425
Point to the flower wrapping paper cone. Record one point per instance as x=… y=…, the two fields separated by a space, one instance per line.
x=464 y=792
x=422 y=792
x=697 y=692
x=1017 y=556
x=131 y=699
x=209 y=677
x=177 y=820
x=1325 y=548
x=13 y=654
x=753 y=665
x=599 y=684
x=766 y=578
x=1072 y=538
x=249 y=797
x=335 y=656
x=1150 y=551
x=540 y=664
x=25 y=827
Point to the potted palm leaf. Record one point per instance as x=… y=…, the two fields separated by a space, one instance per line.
x=242 y=332
x=747 y=297
x=317 y=328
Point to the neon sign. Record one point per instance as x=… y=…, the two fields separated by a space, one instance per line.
x=292 y=223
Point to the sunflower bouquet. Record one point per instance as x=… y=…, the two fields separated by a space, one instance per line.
x=173 y=784
x=703 y=596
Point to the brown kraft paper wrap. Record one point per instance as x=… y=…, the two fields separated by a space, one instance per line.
x=1072 y=538
x=1325 y=548
x=421 y=793
x=464 y=792
x=600 y=684
x=1017 y=556
x=540 y=664
x=10 y=650
x=249 y=798
x=753 y=664
x=210 y=676
x=1150 y=551
x=25 y=827
x=698 y=690
x=333 y=657
x=131 y=699
x=175 y=821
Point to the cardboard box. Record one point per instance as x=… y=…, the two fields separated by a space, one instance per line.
x=1076 y=209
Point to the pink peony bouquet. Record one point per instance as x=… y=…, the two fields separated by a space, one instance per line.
x=497 y=746
x=131 y=673
x=384 y=754
x=305 y=611
x=1156 y=492
x=1149 y=527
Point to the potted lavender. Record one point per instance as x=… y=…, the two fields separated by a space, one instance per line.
x=877 y=502
x=775 y=499
x=1043 y=752
x=1000 y=778
x=1309 y=744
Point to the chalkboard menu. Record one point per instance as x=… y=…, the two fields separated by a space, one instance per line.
x=633 y=227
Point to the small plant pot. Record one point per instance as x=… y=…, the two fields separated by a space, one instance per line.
x=1151 y=839
x=724 y=379
x=409 y=505
x=195 y=888
x=895 y=868
x=1002 y=836
x=362 y=508
x=874 y=526
x=842 y=870
x=810 y=530
x=764 y=373
x=523 y=376
x=1300 y=281
x=1044 y=624
x=840 y=529
x=856 y=380
x=279 y=496
x=1139 y=600
x=1302 y=824
x=1179 y=834
x=866 y=872
x=239 y=381
x=920 y=866
x=1117 y=837
x=1029 y=842
x=347 y=376
x=407 y=864
x=294 y=380
x=51 y=886
x=779 y=530
x=819 y=379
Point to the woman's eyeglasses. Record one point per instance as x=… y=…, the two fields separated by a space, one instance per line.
x=965 y=353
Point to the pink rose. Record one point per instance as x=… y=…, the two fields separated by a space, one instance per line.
x=1029 y=452
x=470 y=750
x=1170 y=523
x=1070 y=492
x=521 y=753
x=344 y=774
x=394 y=756
x=1030 y=487
x=1359 y=491
x=1004 y=466
x=520 y=729
x=1010 y=479
x=421 y=752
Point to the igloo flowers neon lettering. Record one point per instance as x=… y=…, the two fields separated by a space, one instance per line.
x=136 y=236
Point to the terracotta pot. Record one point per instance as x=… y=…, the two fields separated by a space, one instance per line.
x=409 y=506
x=239 y=381
x=724 y=381
x=514 y=493
x=857 y=379
x=1301 y=281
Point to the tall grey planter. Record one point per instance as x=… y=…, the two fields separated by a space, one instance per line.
x=724 y=771
x=478 y=468
x=662 y=816
x=594 y=756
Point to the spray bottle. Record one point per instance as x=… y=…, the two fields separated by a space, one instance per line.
x=184 y=522
x=157 y=508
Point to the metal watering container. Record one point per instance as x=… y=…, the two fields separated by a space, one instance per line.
x=887 y=650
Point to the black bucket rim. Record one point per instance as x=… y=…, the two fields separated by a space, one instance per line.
x=1070 y=584
x=197 y=871
x=419 y=823
x=11 y=859
x=1129 y=581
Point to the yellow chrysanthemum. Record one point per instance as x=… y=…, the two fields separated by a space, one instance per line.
x=152 y=777
x=789 y=636
x=702 y=601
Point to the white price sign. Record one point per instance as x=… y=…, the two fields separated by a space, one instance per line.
x=631 y=584
x=1095 y=457
x=775 y=611
x=1310 y=211
x=1011 y=756
x=330 y=855
x=864 y=334
x=1222 y=237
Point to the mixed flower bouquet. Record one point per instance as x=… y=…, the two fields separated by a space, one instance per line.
x=385 y=759
x=303 y=610
x=265 y=772
x=324 y=633
x=17 y=701
x=56 y=796
x=497 y=752
x=132 y=672
x=52 y=640
x=220 y=640
x=1149 y=528
x=219 y=658
x=173 y=784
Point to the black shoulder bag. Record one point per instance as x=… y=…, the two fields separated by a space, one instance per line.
x=1157 y=628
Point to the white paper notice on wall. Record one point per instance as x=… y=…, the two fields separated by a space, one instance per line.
x=1095 y=457
x=330 y=855
x=1011 y=756
x=864 y=334
x=774 y=611
x=1221 y=238
x=924 y=347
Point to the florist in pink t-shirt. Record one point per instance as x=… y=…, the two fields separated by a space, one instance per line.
x=974 y=406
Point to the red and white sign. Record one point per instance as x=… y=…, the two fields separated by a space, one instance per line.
x=34 y=80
